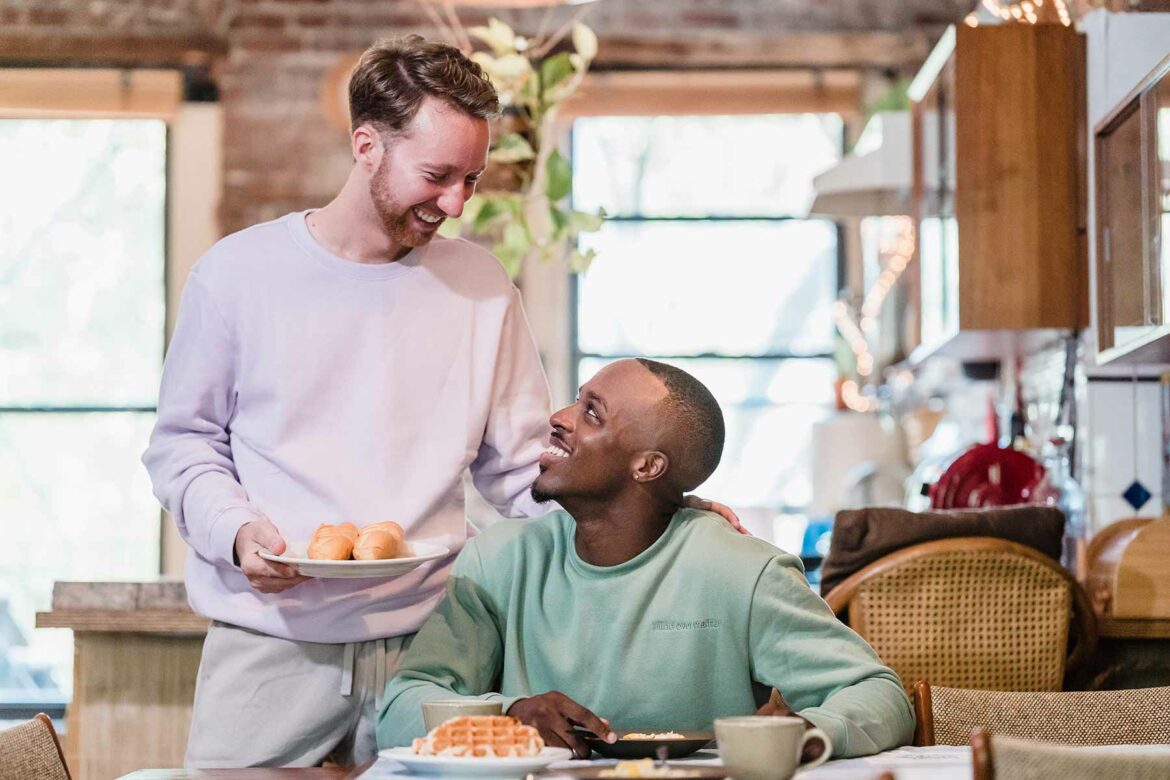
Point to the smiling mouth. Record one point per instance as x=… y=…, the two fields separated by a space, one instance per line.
x=430 y=219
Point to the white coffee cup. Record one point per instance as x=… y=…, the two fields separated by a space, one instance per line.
x=442 y=710
x=766 y=747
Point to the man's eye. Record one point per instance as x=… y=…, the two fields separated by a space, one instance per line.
x=591 y=412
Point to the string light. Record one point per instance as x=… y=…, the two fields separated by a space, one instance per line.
x=897 y=252
x=1028 y=11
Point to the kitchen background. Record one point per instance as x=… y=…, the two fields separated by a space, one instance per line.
x=710 y=255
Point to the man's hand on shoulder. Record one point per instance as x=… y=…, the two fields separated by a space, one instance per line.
x=264 y=576
x=554 y=714
x=724 y=511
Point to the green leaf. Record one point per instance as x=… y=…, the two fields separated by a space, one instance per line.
x=553 y=71
x=560 y=221
x=512 y=147
x=451 y=228
x=579 y=262
x=494 y=208
x=584 y=41
x=584 y=222
x=560 y=176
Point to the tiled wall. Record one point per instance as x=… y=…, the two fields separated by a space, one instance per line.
x=1113 y=451
x=1111 y=448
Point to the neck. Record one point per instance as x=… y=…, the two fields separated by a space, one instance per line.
x=349 y=226
x=614 y=530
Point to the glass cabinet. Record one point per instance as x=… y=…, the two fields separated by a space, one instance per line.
x=1133 y=225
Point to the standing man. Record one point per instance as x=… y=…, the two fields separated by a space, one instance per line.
x=338 y=365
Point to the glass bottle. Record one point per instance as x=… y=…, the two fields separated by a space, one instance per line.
x=1058 y=488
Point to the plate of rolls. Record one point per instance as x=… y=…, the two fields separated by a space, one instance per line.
x=344 y=550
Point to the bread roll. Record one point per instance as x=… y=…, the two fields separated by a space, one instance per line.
x=332 y=542
x=349 y=529
x=378 y=541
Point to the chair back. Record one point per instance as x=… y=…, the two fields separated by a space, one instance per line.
x=1007 y=758
x=970 y=612
x=31 y=750
x=947 y=716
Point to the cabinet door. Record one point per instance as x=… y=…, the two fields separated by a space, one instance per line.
x=1121 y=255
x=1158 y=111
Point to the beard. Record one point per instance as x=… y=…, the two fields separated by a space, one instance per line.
x=395 y=217
x=540 y=497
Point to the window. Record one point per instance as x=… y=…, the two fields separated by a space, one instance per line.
x=82 y=305
x=704 y=264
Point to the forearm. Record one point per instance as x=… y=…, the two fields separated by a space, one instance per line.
x=868 y=717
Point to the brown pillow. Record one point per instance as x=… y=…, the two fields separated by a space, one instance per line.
x=861 y=536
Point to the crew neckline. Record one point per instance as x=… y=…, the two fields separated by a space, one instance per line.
x=298 y=226
x=679 y=519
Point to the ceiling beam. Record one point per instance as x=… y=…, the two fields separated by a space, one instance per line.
x=88 y=51
x=867 y=50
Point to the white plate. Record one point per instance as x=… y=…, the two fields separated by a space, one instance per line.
x=294 y=555
x=475 y=767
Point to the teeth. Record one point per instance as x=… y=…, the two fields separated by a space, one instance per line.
x=556 y=451
x=430 y=219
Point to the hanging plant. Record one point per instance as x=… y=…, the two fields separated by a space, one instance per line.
x=524 y=210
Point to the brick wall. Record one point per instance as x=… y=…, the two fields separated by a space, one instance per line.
x=268 y=58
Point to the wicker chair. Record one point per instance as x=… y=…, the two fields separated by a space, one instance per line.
x=1005 y=758
x=947 y=716
x=31 y=750
x=971 y=612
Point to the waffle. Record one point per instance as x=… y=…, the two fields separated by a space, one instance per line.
x=481 y=736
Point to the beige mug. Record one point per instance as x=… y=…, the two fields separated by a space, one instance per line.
x=766 y=747
x=442 y=710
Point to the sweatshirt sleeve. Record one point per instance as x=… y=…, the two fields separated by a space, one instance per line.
x=826 y=673
x=189 y=457
x=458 y=653
x=507 y=463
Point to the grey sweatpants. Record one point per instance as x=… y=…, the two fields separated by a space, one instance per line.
x=265 y=701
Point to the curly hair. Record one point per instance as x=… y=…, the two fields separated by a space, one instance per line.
x=394 y=76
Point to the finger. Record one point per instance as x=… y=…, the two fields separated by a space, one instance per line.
x=552 y=738
x=572 y=739
x=255 y=566
x=694 y=502
x=274 y=584
x=266 y=535
x=585 y=718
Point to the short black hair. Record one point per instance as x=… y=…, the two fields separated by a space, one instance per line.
x=696 y=422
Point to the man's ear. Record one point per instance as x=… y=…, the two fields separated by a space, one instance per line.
x=649 y=465
x=367 y=147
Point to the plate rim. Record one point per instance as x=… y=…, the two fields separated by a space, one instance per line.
x=560 y=754
x=439 y=551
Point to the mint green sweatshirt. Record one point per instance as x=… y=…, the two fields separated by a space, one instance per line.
x=701 y=625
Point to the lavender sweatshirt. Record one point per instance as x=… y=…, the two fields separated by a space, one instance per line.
x=305 y=388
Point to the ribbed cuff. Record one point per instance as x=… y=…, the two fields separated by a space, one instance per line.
x=221 y=536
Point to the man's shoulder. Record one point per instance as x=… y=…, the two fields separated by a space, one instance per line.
x=461 y=260
x=237 y=253
x=730 y=549
x=509 y=537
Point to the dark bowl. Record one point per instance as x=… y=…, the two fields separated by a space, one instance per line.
x=691 y=742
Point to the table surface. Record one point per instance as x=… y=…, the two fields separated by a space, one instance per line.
x=940 y=762
x=936 y=763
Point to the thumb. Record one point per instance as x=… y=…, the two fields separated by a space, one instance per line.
x=268 y=537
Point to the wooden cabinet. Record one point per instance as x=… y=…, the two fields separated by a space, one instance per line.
x=999 y=187
x=1132 y=147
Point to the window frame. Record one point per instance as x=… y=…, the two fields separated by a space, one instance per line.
x=576 y=354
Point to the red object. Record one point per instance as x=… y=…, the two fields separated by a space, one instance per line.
x=986 y=475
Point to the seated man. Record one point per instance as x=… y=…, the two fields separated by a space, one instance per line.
x=627 y=607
